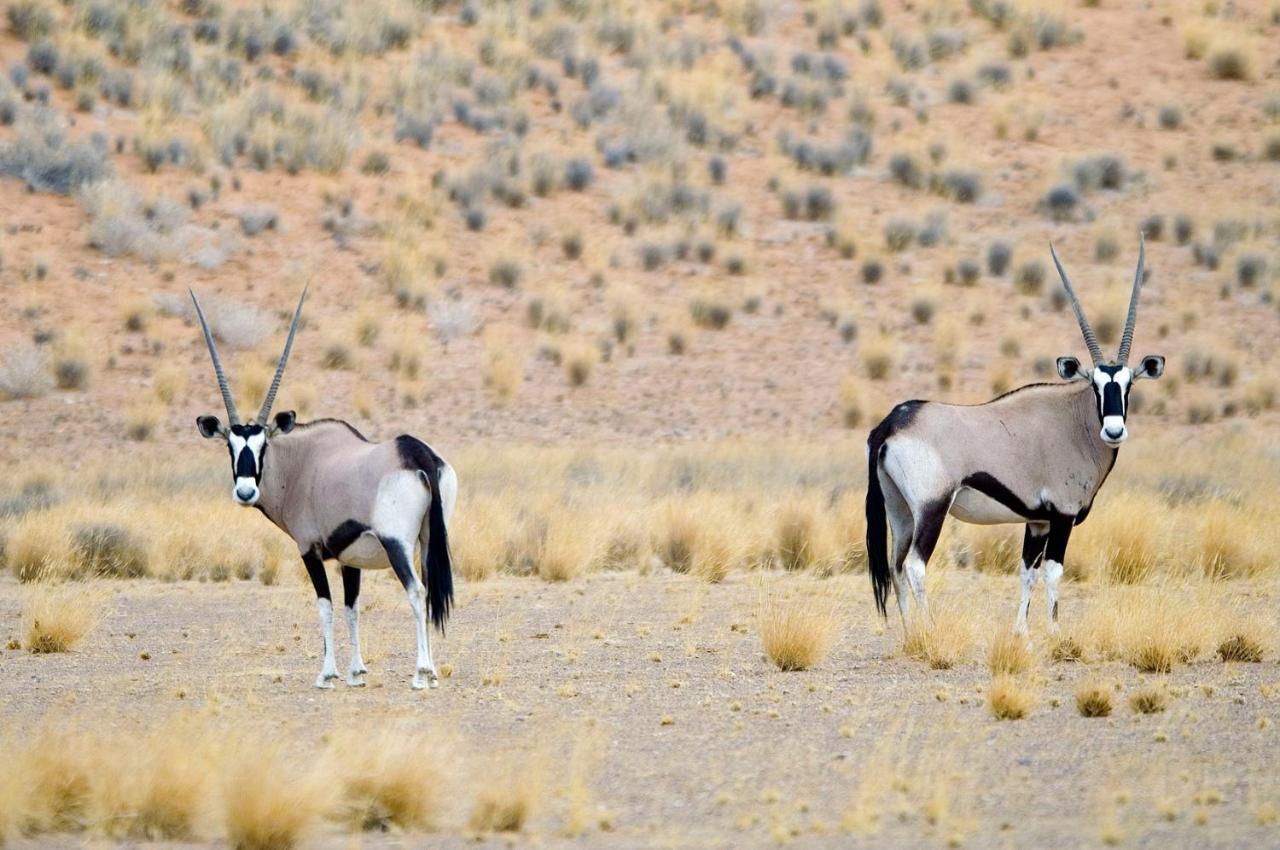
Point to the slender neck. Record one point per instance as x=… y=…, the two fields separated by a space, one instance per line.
x=282 y=456
x=1087 y=422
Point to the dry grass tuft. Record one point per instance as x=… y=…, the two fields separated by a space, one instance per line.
x=942 y=640
x=1010 y=698
x=156 y=788
x=393 y=780
x=1149 y=700
x=798 y=634
x=1094 y=698
x=505 y=800
x=55 y=618
x=1009 y=654
x=269 y=800
x=1244 y=640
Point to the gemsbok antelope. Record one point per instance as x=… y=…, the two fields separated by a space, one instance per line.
x=342 y=498
x=1037 y=455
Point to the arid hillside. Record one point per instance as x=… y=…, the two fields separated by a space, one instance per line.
x=600 y=220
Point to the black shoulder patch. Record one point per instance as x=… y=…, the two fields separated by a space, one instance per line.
x=342 y=537
x=900 y=417
x=415 y=454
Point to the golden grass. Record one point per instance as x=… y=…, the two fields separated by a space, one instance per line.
x=506 y=798
x=1009 y=654
x=159 y=786
x=941 y=640
x=504 y=366
x=1149 y=700
x=1094 y=698
x=55 y=618
x=270 y=800
x=798 y=633
x=394 y=778
x=1009 y=697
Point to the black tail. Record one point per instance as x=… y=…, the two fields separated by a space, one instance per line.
x=437 y=565
x=877 y=534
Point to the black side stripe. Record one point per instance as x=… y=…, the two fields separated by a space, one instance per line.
x=989 y=486
x=342 y=537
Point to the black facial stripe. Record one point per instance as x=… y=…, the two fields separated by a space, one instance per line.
x=1112 y=400
x=246 y=465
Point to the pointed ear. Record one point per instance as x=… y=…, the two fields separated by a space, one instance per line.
x=1151 y=366
x=284 y=422
x=209 y=427
x=1069 y=369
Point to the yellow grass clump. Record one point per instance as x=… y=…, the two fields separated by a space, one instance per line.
x=506 y=798
x=155 y=788
x=1009 y=654
x=271 y=801
x=395 y=779
x=804 y=538
x=697 y=535
x=941 y=640
x=1009 y=697
x=56 y=618
x=1149 y=700
x=1093 y=698
x=477 y=538
x=570 y=546
x=798 y=633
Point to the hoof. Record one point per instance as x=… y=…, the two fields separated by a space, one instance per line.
x=355 y=680
x=325 y=681
x=426 y=679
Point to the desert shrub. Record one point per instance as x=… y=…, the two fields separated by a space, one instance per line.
x=1061 y=202
x=1229 y=61
x=1029 y=278
x=942 y=641
x=71 y=371
x=259 y=219
x=906 y=169
x=710 y=314
x=1009 y=654
x=24 y=373
x=1102 y=171
x=375 y=164
x=578 y=174
x=964 y=187
x=1251 y=270
x=46 y=162
x=999 y=255
x=1170 y=117
x=506 y=273
x=899 y=233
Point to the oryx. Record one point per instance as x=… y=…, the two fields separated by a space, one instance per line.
x=1036 y=455
x=340 y=497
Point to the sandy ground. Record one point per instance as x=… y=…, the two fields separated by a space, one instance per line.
x=700 y=742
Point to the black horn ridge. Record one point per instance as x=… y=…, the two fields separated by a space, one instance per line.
x=227 y=399
x=1090 y=339
x=1126 y=339
x=270 y=399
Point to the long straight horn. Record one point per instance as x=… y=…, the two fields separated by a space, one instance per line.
x=1095 y=350
x=217 y=364
x=1126 y=339
x=284 y=358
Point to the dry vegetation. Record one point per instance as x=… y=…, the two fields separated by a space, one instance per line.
x=645 y=273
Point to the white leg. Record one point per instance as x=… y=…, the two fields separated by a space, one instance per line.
x=1027 y=575
x=329 y=671
x=904 y=605
x=915 y=576
x=425 y=674
x=1052 y=574
x=355 y=674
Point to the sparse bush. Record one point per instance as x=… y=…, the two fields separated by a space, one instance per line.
x=942 y=641
x=71 y=371
x=578 y=174
x=1170 y=117
x=1102 y=171
x=506 y=273
x=706 y=313
x=899 y=233
x=337 y=355
x=905 y=169
x=1229 y=61
x=922 y=310
x=1029 y=279
x=964 y=187
x=46 y=162
x=376 y=164
x=1061 y=202
x=1009 y=654
x=1251 y=270
x=24 y=373
x=258 y=219
x=999 y=255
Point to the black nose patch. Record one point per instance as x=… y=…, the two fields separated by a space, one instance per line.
x=1112 y=400
x=245 y=466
